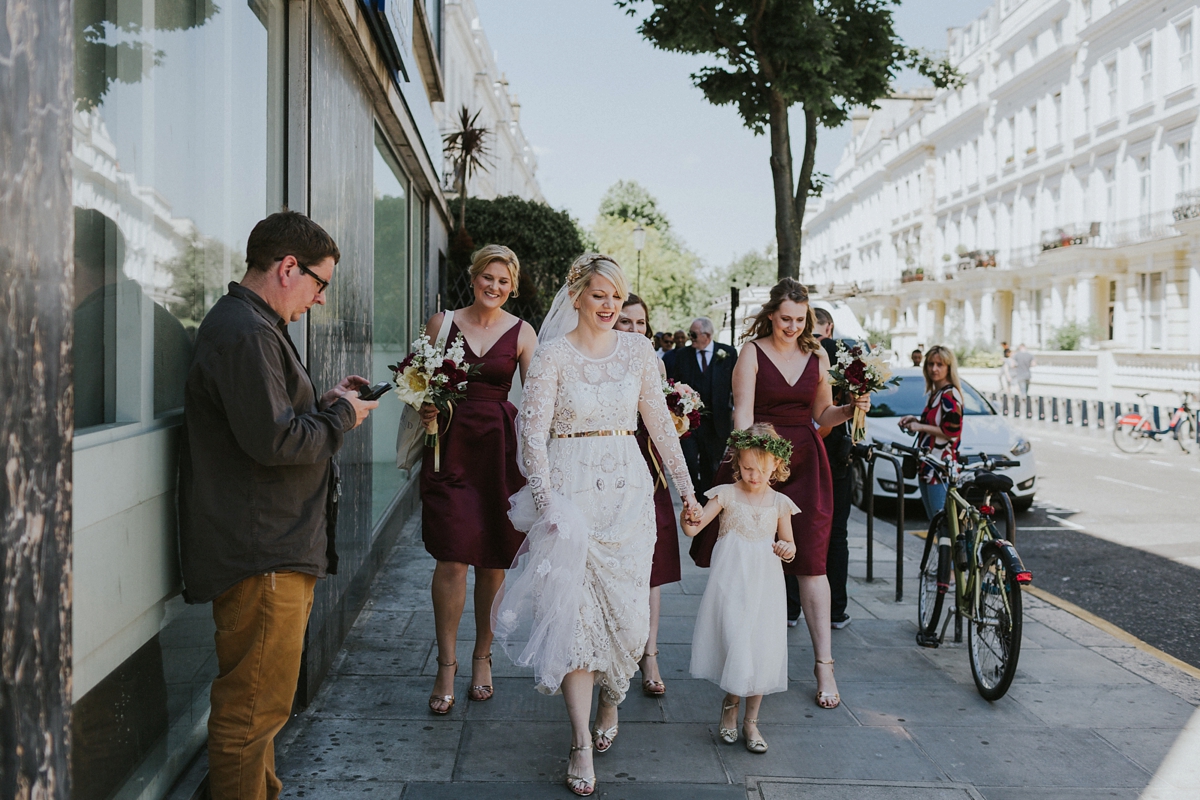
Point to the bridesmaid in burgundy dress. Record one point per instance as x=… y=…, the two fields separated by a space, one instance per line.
x=781 y=377
x=464 y=517
x=634 y=317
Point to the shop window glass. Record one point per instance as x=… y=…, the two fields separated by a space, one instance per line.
x=391 y=323
x=176 y=154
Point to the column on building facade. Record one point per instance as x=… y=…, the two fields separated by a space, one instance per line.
x=1058 y=304
x=969 y=327
x=924 y=321
x=1193 y=273
x=987 y=316
x=1085 y=300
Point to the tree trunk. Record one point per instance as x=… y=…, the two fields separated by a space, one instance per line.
x=804 y=186
x=36 y=413
x=786 y=230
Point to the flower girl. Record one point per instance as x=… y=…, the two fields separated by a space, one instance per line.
x=740 y=641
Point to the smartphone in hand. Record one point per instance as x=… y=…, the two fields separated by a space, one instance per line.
x=371 y=393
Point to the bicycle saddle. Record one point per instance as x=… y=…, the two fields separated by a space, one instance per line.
x=991 y=482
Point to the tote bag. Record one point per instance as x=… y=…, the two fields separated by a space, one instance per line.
x=410 y=438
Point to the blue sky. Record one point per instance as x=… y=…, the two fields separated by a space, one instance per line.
x=599 y=104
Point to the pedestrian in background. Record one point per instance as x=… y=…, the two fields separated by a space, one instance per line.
x=917 y=355
x=257 y=493
x=838 y=447
x=1007 y=365
x=673 y=344
x=665 y=567
x=464 y=517
x=939 y=428
x=707 y=367
x=1024 y=363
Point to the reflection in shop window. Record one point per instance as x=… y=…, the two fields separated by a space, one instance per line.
x=176 y=154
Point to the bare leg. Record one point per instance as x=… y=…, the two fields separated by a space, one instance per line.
x=487 y=584
x=649 y=663
x=449 y=597
x=729 y=711
x=751 y=719
x=814 y=598
x=577 y=691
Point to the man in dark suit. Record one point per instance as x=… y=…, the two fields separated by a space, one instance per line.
x=707 y=367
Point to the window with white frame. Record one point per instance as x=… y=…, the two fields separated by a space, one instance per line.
x=1058 y=30
x=1010 y=136
x=1183 y=166
x=1110 y=73
x=1143 y=170
x=1110 y=197
x=1085 y=91
x=1183 y=33
x=1152 y=286
x=1111 y=310
x=1056 y=111
x=1146 y=59
x=1087 y=11
x=1031 y=144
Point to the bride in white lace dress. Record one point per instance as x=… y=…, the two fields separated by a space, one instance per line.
x=576 y=607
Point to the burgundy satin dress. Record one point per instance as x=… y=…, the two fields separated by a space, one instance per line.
x=810 y=486
x=665 y=568
x=464 y=515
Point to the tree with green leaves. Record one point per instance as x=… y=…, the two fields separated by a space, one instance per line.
x=827 y=56
x=467 y=149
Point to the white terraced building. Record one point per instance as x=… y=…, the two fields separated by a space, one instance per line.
x=1055 y=187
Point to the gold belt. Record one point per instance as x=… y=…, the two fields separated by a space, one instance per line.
x=591 y=433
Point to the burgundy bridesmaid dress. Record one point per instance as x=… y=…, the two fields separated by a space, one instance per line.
x=810 y=486
x=665 y=568
x=464 y=516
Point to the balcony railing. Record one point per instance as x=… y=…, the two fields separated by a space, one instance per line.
x=977 y=259
x=1157 y=225
x=1070 y=236
x=1187 y=206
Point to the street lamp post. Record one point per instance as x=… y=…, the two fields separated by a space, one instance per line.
x=639 y=241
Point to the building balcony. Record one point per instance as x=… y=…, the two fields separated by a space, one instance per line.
x=1187 y=206
x=1143 y=228
x=912 y=276
x=1069 y=236
x=976 y=259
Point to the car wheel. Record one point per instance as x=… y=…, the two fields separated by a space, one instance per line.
x=1022 y=504
x=858 y=482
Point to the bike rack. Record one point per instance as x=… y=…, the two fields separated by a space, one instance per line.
x=869 y=454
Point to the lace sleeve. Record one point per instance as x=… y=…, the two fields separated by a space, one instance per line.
x=537 y=413
x=653 y=407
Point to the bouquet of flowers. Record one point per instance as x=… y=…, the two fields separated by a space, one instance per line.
x=860 y=370
x=428 y=376
x=684 y=404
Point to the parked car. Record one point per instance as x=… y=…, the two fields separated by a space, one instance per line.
x=984 y=431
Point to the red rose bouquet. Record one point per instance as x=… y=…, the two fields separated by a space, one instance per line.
x=860 y=370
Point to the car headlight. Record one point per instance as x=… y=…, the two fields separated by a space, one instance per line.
x=1021 y=447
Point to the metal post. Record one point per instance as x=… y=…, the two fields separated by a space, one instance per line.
x=870 y=498
x=900 y=489
x=734 y=301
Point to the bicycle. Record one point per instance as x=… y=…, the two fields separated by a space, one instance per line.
x=987 y=570
x=1132 y=433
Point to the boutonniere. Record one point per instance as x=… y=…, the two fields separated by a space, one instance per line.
x=722 y=355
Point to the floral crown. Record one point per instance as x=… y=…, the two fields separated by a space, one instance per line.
x=775 y=445
x=577 y=269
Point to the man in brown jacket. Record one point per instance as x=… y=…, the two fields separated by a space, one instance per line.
x=255 y=479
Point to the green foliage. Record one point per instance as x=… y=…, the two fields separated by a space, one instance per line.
x=879 y=338
x=467 y=149
x=546 y=241
x=630 y=200
x=976 y=356
x=198 y=278
x=1072 y=335
x=391 y=292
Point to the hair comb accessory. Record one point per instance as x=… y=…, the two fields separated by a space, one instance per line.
x=775 y=445
x=577 y=269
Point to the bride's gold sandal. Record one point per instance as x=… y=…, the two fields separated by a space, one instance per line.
x=825 y=697
x=577 y=783
x=652 y=688
x=728 y=735
x=484 y=691
x=753 y=745
x=598 y=733
x=448 y=699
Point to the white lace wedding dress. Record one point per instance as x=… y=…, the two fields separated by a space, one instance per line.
x=578 y=597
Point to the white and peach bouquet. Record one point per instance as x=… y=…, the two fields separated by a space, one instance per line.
x=427 y=375
x=860 y=370
x=685 y=406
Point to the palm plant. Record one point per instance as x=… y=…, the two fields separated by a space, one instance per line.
x=466 y=148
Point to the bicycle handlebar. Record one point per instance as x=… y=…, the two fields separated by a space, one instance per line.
x=987 y=463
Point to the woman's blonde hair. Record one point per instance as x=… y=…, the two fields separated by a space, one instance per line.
x=633 y=300
x=783 y=469
x=496 y=252
x=588 y=266
x=947 y=357
x=760 y=327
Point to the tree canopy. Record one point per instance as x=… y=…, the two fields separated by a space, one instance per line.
x=828 y=56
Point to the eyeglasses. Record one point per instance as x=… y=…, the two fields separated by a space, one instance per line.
x=324 y=284
x=693 y=335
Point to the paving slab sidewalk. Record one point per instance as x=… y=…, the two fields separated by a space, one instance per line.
x=1089 y=715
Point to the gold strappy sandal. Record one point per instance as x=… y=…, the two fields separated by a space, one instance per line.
x=485 y=691
x=757 y=746
x=728 y=735
x=599 y=733
x=824 y=697
x=652 y=688
x=448 y=699
x=577 y=783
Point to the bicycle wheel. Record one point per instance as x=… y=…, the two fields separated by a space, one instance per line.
x=933 y=581
x=994 y=636
x=1132 y=437
x=1185 y=434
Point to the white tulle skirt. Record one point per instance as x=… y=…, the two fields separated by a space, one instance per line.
x=740 y=639
x=578 y=596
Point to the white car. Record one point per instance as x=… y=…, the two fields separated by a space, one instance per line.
x=984 y=431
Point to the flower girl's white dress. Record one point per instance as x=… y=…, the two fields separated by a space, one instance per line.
x=740 y=641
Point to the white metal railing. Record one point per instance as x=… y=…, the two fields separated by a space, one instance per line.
x=1187 y=206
